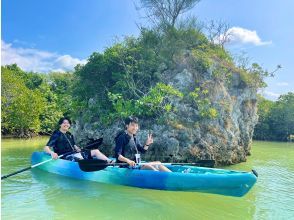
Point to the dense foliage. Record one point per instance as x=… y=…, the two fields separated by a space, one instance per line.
x=276 y=119
x=130 y=77
x=33 y=102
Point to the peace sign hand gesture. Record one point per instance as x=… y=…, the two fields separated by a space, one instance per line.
x=149 y=140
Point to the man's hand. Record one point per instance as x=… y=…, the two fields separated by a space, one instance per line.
x=131 y=163
x=54 y=155
x=149 y=140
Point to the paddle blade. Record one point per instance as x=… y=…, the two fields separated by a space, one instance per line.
x=94 y=144
x=92 y=165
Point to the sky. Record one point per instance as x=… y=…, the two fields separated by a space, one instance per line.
x=54 y=35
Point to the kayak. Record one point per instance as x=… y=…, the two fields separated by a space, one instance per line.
x=182 y=178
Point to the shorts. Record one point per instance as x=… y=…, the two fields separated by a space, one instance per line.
x=79 y=156
x=74 y=157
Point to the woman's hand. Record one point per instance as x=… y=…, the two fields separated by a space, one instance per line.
x=54 y=155
x=77 y=149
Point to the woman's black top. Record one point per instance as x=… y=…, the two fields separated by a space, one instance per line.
x=61 y=142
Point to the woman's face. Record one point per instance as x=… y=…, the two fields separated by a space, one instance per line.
x=65 y=125
x=132 y=128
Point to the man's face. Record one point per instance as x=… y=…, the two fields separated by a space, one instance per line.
x=65 y=125
x=132 y=128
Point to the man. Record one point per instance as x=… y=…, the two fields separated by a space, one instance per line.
x=62 y=141
x=127 y=147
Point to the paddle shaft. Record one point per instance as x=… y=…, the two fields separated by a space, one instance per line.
x=97 y=165
x=33 y=166
x=167 y=164
x=191 y=164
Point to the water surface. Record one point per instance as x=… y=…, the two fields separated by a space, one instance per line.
x=36 y=194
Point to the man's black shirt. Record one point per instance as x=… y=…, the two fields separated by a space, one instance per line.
x=127 y=146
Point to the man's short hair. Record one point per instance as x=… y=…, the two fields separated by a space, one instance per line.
x=63 y=119
x=131 y=119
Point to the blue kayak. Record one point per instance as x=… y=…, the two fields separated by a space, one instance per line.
x=183 y=178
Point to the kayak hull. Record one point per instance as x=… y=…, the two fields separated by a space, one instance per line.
x=198 y=179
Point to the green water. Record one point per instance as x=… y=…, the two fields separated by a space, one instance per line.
x=36 y=194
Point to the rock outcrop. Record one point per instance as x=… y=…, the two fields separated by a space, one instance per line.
x=187 y=137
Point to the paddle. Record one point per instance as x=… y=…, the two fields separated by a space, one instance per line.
x=33 y=166
x=201 y=163
x=96 y=164
x=96 y=144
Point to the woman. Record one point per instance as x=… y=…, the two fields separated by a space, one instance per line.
x=62 y=142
